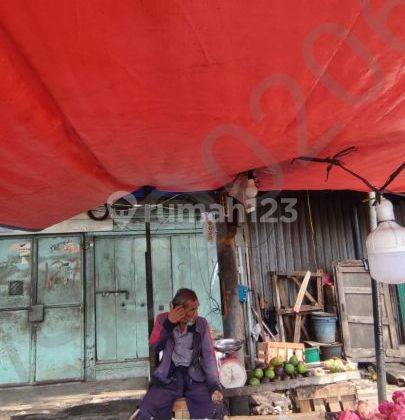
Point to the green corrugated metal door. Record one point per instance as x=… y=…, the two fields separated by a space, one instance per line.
x=59 y=338
x=121 y=309
x=178 y=260
x=187 y=260
x=41 y=309
x=15 y=300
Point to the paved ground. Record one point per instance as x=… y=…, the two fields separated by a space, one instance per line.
x=109 y=400
x=79 y=400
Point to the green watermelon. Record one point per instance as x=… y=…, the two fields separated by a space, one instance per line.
x=301 y=368
x=269 y=373
x=289 y=369
x=294 y=361
x=254 y=382
x=276 y=361
x=258 y=373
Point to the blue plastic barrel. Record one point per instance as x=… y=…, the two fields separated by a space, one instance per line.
x=324 y=327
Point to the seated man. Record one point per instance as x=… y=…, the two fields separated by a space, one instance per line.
x=188 y=367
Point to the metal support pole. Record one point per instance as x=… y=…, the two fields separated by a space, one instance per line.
x=149 y=294
x=376 y=289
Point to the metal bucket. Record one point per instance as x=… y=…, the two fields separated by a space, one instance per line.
x=324 y=327
x=331 y=351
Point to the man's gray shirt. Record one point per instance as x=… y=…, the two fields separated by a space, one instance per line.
x=183 y=343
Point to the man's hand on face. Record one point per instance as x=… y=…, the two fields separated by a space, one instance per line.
x=217 y=397
x=176 y=314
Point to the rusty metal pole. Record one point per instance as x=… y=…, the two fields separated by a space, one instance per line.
x=376 y=289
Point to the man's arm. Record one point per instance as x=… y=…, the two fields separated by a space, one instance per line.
x=164 y=326
x=162 y=330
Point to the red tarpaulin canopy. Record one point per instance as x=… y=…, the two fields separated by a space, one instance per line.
x=100 y=96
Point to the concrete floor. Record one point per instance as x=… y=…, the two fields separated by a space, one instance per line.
x=110 y=400
x=85 y=400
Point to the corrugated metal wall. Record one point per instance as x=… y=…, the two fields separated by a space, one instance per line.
x=325 y=231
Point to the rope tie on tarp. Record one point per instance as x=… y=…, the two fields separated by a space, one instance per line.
x=335 y=160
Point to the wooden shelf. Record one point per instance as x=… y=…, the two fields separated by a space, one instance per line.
x=291 y=383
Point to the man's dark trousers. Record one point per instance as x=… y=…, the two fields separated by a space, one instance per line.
x=158 y=402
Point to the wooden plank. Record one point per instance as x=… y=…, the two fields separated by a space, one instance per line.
x=296 y=273
x=304 y=308
x=301 y=292
x=297 y=328
x=284 y=303
x=277 y=304
x=359 y=269
x=348 y=402
x=334 y=404
x=319 y=405
x=319 y=287
x=331 y=390
x=365 y=319
x=358 y=290
x=304 y=406
x=369 y=354
x=278 y=344
x=307 y=294
x=350 y=263
x=391 y=321
x=344 y=322
x=281 y=290
x=304 y=328
x=291 y=384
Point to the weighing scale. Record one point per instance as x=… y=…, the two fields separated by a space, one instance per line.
x=232 y=373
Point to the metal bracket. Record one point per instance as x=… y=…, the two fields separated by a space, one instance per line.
x=113 y=292
x=36 y=313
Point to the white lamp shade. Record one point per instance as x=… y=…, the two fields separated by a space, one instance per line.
x=386 y=247
x=251 y=189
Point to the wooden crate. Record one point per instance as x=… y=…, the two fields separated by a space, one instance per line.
x=291 y=320
x=180 y=410
x=266 y=351
x=291 y=416
x=326 y=398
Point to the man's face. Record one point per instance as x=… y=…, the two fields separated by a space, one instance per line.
x=191 y=310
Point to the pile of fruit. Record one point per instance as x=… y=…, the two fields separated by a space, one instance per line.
x=337 y=365
x=278 y=370
x=394 y=410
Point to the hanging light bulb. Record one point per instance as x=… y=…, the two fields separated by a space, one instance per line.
x=386 y=246
x=250 y=193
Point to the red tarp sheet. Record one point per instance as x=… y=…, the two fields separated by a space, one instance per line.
x=99 y=96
